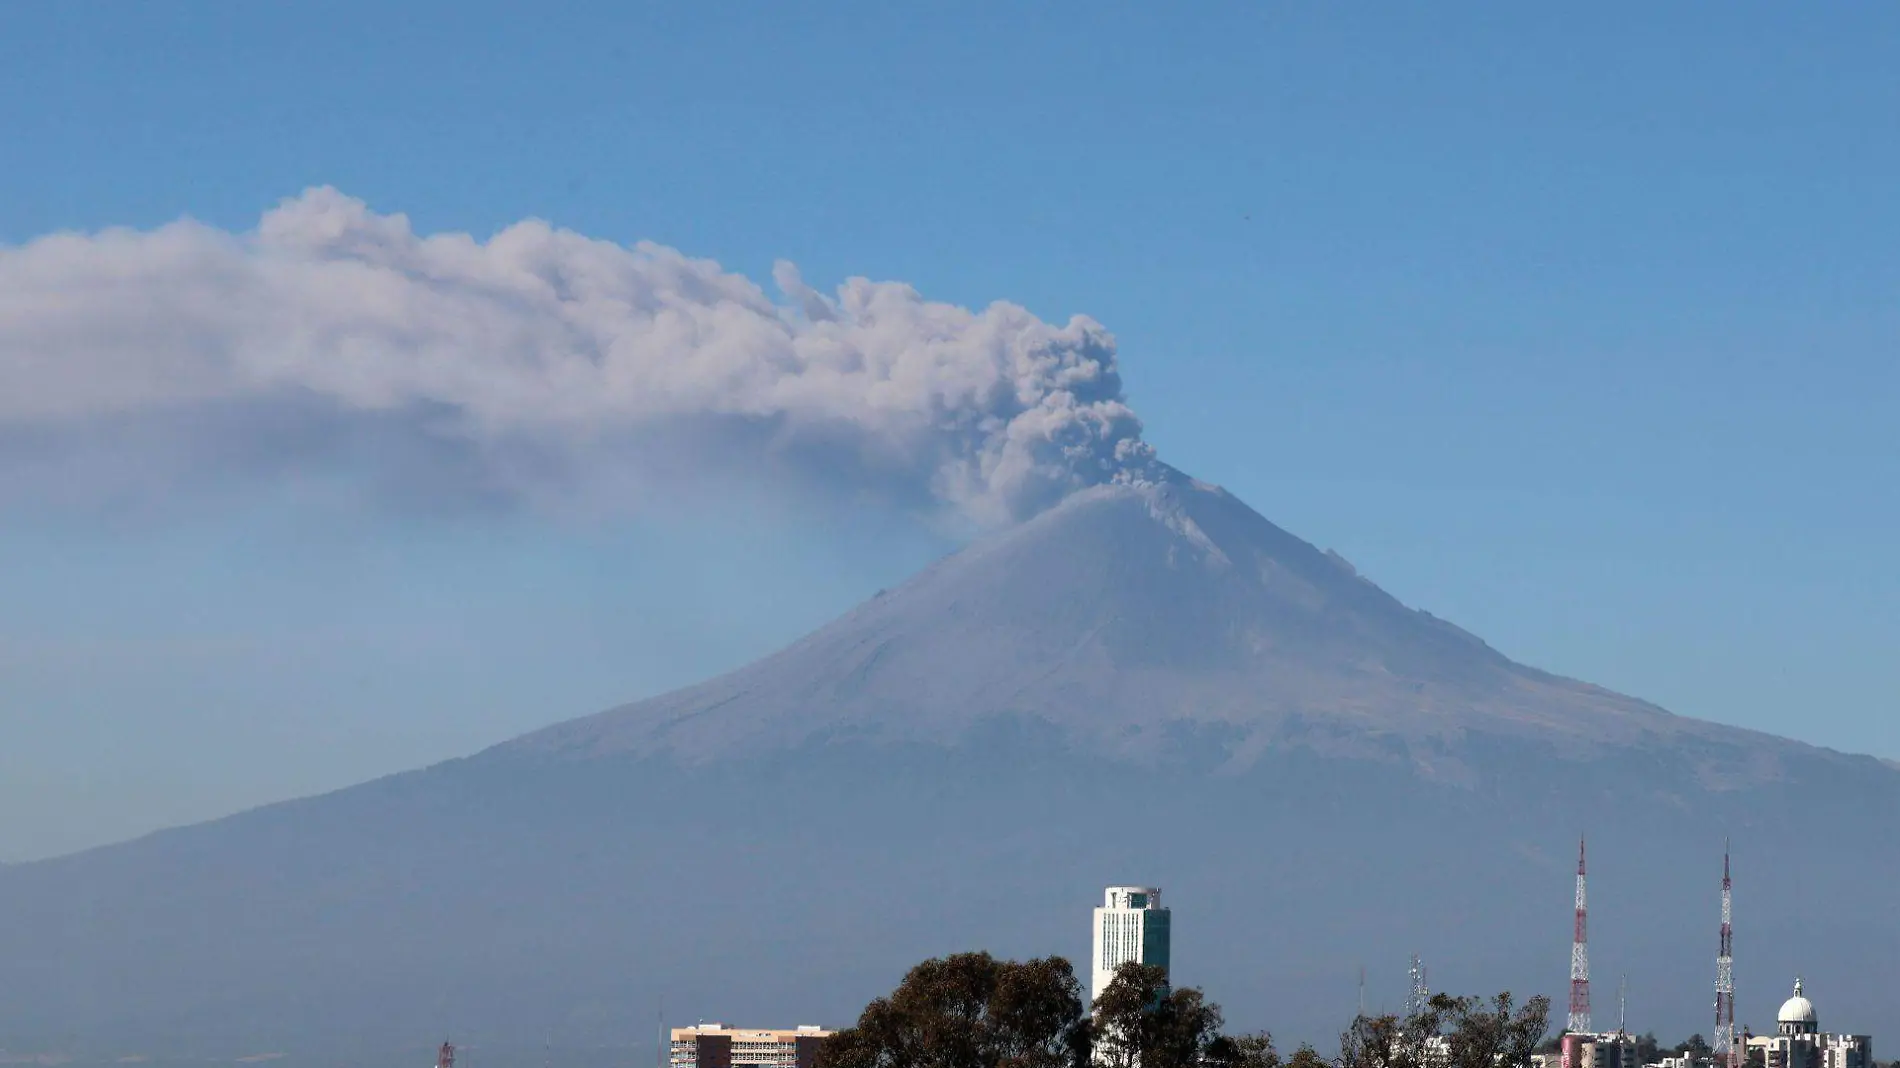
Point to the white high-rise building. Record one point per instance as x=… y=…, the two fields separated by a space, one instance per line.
x=1130 y=925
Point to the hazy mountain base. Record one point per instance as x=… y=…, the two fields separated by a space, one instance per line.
x=509 y=901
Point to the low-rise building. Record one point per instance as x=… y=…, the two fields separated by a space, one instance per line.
x=1576 y=1049
x=714 y=1045
x=1615 y=1050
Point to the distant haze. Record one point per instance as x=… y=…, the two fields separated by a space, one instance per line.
x=1148 y=683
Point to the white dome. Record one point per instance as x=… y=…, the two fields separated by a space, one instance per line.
x=1797 y=1009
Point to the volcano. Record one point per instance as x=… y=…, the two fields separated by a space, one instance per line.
x=1130 y=616
x=1148 y=683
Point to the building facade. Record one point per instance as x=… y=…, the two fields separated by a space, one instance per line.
x=1130 y=925
x=1799 y=1042
x=1612 y=1049
x=713 y=1045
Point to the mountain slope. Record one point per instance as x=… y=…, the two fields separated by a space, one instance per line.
x=1148 y=683
x=1130 y=610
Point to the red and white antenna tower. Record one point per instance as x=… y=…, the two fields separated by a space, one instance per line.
x=445 y=1057
x=1580 y=958
x=1727 y=1052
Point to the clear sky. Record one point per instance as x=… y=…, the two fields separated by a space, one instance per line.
x=1576 y=328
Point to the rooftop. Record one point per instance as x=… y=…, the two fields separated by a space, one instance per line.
x=775 y=1034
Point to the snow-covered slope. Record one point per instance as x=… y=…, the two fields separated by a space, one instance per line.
x=1129 y=614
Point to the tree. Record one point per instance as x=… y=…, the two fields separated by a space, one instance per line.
x=974 y=1011
x=970 y=1011
x=1449 y=1032
x=1245 y=1051
x=1695 y=1046
x=1308 y=1057
x=1386 y=1042
x=1037 y=1011
x=1490 y=1035
x=1140 y=1022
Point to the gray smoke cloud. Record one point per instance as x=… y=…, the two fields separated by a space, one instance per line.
x=537 y=364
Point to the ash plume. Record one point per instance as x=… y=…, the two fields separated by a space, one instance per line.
x=536 y=365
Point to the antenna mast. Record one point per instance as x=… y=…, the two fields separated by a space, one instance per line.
x=1580 y=957
x=1727 y=1053
x=1623 y=1005
x=1421 y=993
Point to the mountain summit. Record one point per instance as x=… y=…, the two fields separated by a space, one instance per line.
x=1147 y=683
x=1133 y=615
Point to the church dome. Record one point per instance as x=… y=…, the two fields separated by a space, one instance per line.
x=1797 y=1011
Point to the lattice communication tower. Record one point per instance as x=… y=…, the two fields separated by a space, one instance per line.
x=1420 y=993
x=1728 y=1052
x=1580 y=956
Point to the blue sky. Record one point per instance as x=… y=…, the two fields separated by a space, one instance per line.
x=1576 y=328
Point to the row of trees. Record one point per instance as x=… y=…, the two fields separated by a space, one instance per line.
x=1449 y=1032
x=974 y=1011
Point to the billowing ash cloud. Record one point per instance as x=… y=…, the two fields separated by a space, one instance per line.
x=336 y=341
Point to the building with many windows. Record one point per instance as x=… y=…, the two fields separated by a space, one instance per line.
x=714 y=1045
x=1130 y=925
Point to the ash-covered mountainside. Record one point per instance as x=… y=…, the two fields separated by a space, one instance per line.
x=1147 y=683
x=1131 y=616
